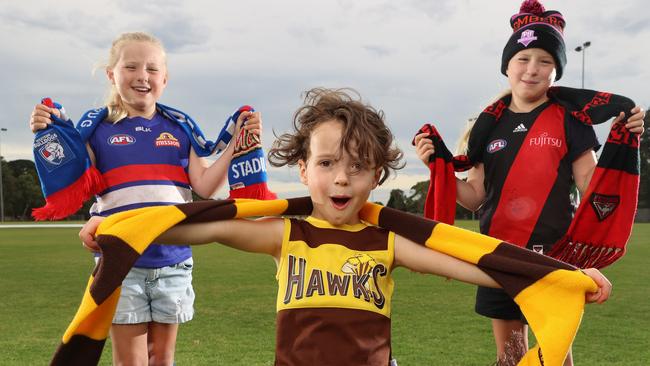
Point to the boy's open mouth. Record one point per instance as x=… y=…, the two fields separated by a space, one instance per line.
x=340 y=201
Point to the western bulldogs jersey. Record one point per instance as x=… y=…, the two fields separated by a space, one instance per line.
x=334 y=296
x=528 y=175
x=144 y=163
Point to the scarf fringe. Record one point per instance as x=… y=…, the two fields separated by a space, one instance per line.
x=66 y=202
x=258 y=191
x=586 y=255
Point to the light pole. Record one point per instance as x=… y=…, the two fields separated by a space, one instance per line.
x=2 y=200
x=583 y=49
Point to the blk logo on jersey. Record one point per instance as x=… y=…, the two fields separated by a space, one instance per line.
x=167 y=139
x=604 y=205
x=142 y=129
x=121 y=139
x=496 y=145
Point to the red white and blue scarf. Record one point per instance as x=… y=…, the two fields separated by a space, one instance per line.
x=65 y=170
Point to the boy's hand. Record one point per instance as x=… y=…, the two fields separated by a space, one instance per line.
x=604 y=286
x=87 y=233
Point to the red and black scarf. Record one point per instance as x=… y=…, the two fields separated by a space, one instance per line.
x=603 y=222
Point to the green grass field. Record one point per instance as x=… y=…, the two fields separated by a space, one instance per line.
x=44 y=272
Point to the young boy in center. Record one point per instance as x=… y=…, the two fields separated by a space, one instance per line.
x=343 y=150
x=334 y=270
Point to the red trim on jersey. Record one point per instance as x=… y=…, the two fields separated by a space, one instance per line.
x=522 y=199
x=139 y=172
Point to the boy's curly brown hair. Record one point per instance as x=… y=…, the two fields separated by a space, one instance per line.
x=363 y=128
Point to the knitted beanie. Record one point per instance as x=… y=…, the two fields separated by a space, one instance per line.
x=535 y=27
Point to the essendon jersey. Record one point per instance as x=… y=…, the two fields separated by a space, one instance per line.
x=528 y=175
x=334 y=295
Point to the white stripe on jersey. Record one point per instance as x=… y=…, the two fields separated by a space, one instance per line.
x=141 y=194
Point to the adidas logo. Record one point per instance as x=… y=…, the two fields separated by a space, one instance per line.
x=520 y=128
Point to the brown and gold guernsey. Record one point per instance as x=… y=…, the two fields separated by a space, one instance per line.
x=334 y=294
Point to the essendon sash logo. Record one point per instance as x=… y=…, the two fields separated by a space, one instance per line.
x=604 y=205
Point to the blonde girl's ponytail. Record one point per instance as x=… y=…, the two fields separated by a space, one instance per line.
x=461 y=145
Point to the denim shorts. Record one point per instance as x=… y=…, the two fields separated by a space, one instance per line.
x=162 y=295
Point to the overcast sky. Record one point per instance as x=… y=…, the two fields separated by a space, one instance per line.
x=417 y=60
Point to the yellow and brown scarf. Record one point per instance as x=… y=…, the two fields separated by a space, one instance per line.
x=550 y=293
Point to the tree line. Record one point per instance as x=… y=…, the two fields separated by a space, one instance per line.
x=22 y=191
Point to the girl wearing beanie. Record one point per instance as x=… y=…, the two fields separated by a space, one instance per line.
x=524 y=166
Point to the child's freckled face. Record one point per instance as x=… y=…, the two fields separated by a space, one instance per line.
x=339 y=183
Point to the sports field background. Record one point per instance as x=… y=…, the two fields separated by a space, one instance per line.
x=43 y=273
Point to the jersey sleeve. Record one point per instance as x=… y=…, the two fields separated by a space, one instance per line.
x=580 y=138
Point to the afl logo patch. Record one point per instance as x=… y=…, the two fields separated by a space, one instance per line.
x=496 y=145
x=121 y=139
x=52 y=151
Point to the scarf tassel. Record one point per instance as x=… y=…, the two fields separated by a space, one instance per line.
x=585 y=255
x=259 y=191
x=69 y=200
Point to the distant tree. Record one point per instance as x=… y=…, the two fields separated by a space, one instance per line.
x=22 y=190
x=464 y=214
x=414 y=202
x=8 y=188
x=417 y=197
x=644 y=187
x=397 y=200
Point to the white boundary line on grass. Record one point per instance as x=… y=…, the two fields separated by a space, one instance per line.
x=30 y=226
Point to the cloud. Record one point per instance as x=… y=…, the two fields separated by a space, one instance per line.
x=417 y=60
x=378 y=50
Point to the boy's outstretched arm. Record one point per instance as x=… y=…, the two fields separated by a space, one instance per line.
x=257 y=236
x=425 y=260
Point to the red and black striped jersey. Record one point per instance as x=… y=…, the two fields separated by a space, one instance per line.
x=528 y=174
